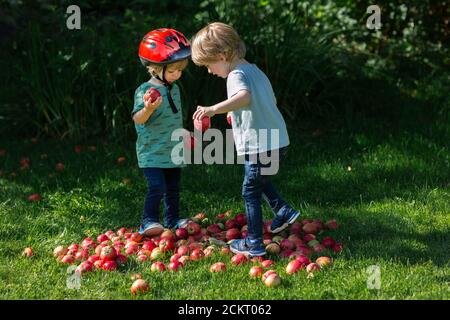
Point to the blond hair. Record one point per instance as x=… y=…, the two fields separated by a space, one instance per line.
x=214 y=39
x=157 y=69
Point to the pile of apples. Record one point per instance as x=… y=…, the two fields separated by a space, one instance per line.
x=199 y=240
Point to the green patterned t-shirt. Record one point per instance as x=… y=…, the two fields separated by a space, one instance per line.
x=153 y=144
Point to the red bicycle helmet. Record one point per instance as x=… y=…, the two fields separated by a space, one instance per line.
x=164 y=46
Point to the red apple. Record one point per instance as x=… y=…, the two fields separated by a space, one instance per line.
x=174 y=266
x=92 y=259
x=109 y=265
x=267 y=264
x=225 y=251
x=183 y=250
x=239 y=259
x=303 y=260
x=68 y=259
x=102 y=237
x=296 y=228
x=197 y=254
x=34 y=197
x=213 y=229
x=59 y=167
x=273 y=248
x=229 y=120
x=153 y=94
x=136 y=276
x=309 y=237
x=267 y=274
x=256 y=272
x=337 y=248
x=59 y=250
x=203 y=124
x=286 y=244
x=233 y=234
x=121 y=259
x=312 y=267
x=331 y=224
x=241 y=219
x=108 y=253
x=310 y=228
x=323 y=261
x=294 y=266
x=209 y=251
x=166 y=245
x=156 y=254
x=182 y=233
x=218 y=267
x=158 y=266
x=328 y=242
x=149 y=245
x=27 y=252
x=273 y=280
x=193 y=228
x=318 y=248
x=84 y=267
x=231 y=224
x=139 y=286
x=175 y=257
x=168 y=234
x=184 y=260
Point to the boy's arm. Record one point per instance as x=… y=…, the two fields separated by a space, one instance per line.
x=144 y=114
x=239 y=100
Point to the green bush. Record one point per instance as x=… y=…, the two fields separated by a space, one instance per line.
x=321 y=59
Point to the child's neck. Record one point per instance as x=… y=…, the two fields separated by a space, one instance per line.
x=156 y=81
x=237 y=62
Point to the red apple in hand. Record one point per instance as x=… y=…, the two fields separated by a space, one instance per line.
x=152 y=94
x=203 y=124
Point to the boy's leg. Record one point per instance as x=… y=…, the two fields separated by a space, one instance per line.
x=284 y=214
x=273 y=199
x=251 y=191
x=156 y=186
x=172 y=197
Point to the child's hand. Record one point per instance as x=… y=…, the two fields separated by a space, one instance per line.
x=202 y=112
x=148 y=105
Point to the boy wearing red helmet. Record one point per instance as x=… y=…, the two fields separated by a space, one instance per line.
x=165 y=53
x=252 y=105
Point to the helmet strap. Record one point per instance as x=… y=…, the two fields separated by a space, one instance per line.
x=169 y=88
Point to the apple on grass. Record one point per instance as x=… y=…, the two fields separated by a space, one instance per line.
x=218 y=267
x=139 y=286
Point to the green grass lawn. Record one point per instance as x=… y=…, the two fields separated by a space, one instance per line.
x=393 y=208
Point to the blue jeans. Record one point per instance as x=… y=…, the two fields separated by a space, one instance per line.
x=255 y=187
x=162 y=183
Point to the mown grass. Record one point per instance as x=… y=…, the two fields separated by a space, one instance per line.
x=388 y=187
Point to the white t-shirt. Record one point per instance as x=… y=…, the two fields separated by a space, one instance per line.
x=259 y=127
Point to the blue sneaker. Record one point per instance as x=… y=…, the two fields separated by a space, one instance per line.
x=181 y=223
x=282 y=221
x=151 y=229
x=245 y=246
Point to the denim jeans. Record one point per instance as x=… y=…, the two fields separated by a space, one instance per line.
x=162 y=183
x=257 y=186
